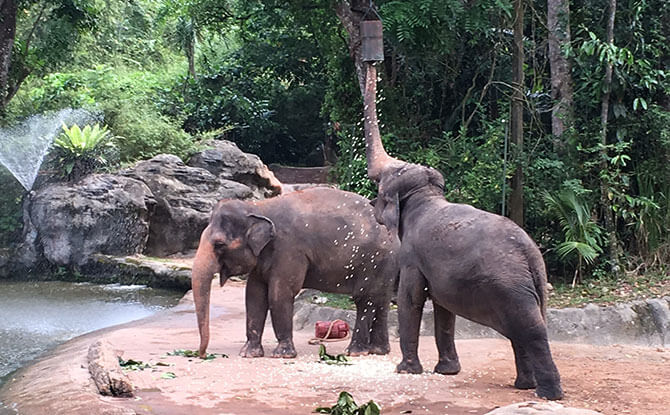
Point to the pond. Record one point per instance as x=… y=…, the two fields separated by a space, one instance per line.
x=37 y=316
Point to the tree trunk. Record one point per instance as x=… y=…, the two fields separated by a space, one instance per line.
x=558 y=25
x=516 y=125
x=191 y=57
x=606 y=204
x=8 y=10
x=351 y=14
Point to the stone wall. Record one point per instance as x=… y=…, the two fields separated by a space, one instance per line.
x=644 y=322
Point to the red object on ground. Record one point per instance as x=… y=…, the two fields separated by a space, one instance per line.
x=338 y=329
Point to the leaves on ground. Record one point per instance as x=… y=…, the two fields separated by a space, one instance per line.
x=347 y=406
x=330 y=359
x=131 y=364
x=193 y=353
x=168 y=375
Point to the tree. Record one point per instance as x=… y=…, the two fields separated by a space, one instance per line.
x=7 y=33
x=516 y=125
x=558 y=27
x=605 y=199
x=39 y=38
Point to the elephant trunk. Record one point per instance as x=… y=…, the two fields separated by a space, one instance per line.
x=205 y=265
x=377 y=157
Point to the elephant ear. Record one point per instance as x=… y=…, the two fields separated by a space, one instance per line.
x=387 y=211
x=260 y=233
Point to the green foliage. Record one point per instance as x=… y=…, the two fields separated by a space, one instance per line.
x=133 y=365
x=128 y=100
x=11 y=195
x=351 y=167
x=347 y=406
x=582 y=235
x=142 y=132
x=82 y=151
x=193 y=353
x=330 y=359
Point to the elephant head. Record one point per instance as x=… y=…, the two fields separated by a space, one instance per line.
x=229 y=245
x=399 y=182
x=397 y=179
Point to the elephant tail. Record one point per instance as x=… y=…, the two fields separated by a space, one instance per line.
x=539 y=274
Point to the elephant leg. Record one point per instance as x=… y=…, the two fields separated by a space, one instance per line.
x=411 y=298
x=525 y=378
x=256 y=299
x=282 y=291
x=445 y=322
x=379 y=337
x=531 y=336
x=360 y=338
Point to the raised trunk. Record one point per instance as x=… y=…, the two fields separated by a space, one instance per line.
x=374 y=149
x=205 y=265
x=351 y=14
x=516 y=127
x=558 y=25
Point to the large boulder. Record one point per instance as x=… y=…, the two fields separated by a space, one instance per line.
x=102 y=213
x=226 y=161
x=184 y=198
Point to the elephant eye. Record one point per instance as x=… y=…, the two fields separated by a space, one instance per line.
x=218 y=245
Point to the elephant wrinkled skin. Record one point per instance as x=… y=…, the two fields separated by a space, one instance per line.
x=319 y=238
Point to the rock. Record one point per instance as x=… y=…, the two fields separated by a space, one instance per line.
x=226 y=161
x=140 y=270
x=103 y=365
x=642 y=322
x=184 y=199
x=5 y=259
x=540 y=408
x=101 y=213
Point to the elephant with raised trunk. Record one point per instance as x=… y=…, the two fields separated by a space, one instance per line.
x=468 y=262
x=319 y=238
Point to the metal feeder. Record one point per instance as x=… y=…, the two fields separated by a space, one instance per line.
x=372 y=40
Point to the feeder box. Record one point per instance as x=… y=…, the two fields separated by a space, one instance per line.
x=373 y=42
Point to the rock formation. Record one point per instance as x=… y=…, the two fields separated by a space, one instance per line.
x=157 y=207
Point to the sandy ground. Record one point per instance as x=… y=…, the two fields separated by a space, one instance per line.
x=613 y=379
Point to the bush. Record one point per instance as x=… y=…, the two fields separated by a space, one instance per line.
x=82 y=151
x=141 y=132
x=11 y=194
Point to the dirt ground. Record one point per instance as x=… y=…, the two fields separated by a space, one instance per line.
x=613 y=380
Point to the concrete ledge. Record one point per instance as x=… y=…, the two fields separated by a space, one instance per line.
x=642 y=323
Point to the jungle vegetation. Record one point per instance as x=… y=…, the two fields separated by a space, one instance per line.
x=553 y=112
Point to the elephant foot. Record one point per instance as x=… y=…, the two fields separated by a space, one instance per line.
x=551 y=392
x=408 y=366
x=380 y=349
x=356 y=349
x=525 y=382
x=252 y=350
x=284 y=350
x=447 y=367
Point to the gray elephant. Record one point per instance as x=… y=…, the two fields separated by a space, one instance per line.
x=319 y=238
x=469 y=262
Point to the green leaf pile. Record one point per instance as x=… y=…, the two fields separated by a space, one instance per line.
x=347 y=406
x=131 y=364
x=193 y=353
x=330 y=359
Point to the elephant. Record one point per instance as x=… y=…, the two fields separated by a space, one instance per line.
x=321 y=238
x=469 y=262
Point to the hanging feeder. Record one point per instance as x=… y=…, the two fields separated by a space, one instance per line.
x=372 y=41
